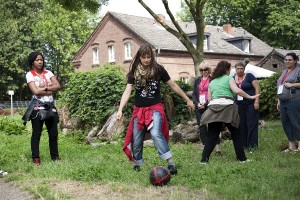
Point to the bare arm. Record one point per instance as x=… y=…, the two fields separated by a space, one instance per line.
x=54 y=85
x=179 y=91
x=257 y=91
x=124 y=100
x=209 y=95
x=240 y=92
x=42 y=91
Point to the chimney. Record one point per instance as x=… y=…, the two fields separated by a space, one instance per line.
x=227 y=28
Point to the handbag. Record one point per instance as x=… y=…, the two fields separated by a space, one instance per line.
x=45 y=114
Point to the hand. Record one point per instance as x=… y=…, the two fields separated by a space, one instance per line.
x=201 y=106
x=190 y=104
x=119 y=115
x=288 y=85
x=254 y=96
x=256 y=105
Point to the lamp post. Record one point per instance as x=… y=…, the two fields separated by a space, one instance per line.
x=11 y=93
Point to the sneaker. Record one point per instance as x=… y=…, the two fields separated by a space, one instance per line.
x=3 y=173
x=55 y=158
x=37 y=161
x=203 y=163
x=136 y=168
x=172 y=169
x=245 y=161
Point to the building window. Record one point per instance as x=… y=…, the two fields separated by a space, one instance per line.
x=128 y=53
x=95 y=56
x=246 y=46
x=111 y=53
x=184 y=79
x=205 y=43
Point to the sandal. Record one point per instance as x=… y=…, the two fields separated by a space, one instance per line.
x=288 y=150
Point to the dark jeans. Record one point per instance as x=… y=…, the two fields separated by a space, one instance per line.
x=249 y=124
x=202 y=129
x=214 y=130
x=290 y=118
x=37 y=127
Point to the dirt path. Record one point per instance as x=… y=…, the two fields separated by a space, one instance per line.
x=11 y=192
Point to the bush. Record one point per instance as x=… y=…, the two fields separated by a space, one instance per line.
x=12 y=126
x=268 y=98
x=92 y=96
x=176 y=108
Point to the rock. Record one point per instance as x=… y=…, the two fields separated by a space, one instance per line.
x=111 y=129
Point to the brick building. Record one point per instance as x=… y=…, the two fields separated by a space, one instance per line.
x=118 y=36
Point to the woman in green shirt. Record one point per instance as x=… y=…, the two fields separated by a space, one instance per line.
x=222 y=109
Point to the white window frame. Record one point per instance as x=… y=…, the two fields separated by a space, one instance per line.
x=128 y=52
x=246 y=46
x=111 y=53
x=95 y=55
x=184 y=79
x=205 y=43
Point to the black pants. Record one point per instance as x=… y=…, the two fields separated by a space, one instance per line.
x=214 y=130
x=203 y=128
x=249 y=124
x=37 y=126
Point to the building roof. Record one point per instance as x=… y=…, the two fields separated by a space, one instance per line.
x=156 y=35
x=279 y=52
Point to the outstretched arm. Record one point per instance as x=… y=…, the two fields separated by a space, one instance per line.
x=179 y=91
x=240 y=92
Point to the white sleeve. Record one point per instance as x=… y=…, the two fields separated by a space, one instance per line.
x=49 y=74
x=29 y=77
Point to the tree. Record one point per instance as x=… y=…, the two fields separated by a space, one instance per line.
x=16 y=42
x=283 y=21
x=273 y=21
x=77 y=5
x=196 y=10
x=62 y=32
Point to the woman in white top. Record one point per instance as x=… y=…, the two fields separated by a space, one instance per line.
x=42 y=83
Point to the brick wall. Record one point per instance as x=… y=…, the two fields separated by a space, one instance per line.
x=176 y=63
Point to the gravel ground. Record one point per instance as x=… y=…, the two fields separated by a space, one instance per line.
x=11 y=192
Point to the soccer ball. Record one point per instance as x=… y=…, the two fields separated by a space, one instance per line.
x=159 y=176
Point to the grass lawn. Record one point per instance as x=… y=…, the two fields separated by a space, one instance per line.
x=87 y=172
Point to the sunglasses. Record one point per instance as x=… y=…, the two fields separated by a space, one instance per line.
x=203 y=70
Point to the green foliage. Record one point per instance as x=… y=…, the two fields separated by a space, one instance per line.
x=91 y=5
x=268 y=97
x=16 y=41
x=283 y=21
x=106 y=170
x=12 y=126
x=273 y=21
x=180 y=112
x=91 y=96
x=62 y=40
x=27 y=26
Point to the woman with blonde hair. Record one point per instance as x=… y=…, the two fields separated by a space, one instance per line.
x=200 y=99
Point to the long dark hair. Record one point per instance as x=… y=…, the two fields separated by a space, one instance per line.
x=32 y=56
x=145 y=49
x=221 y=69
